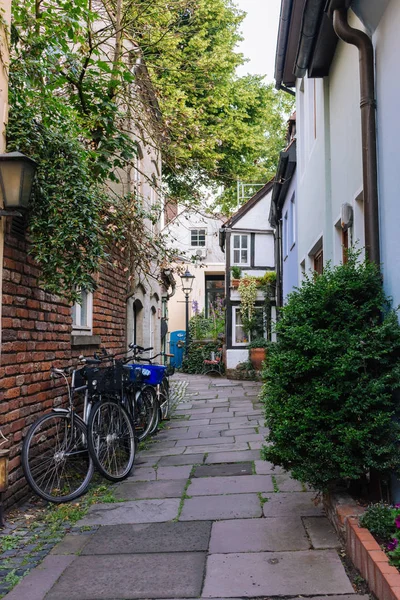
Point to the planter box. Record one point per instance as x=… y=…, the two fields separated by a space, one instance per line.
x=361 y=547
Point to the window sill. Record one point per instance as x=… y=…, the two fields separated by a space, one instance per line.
x=79 y=339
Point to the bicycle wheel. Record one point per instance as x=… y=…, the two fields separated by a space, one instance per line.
x=145 y=411
x=111 y=439
x=55 y=457
x=165 y=400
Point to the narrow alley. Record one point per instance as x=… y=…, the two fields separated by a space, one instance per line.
x=201 y=516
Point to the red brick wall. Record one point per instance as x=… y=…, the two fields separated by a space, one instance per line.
x=36 y=334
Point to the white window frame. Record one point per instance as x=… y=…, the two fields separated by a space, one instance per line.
x=292 y=224
x=240 y=263
x=285 y=235
x=77 y=326
x=197 y=230
x=234 y=323
x=235 y=309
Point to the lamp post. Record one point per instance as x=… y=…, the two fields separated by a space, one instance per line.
x=17 y=172
x=187 y=283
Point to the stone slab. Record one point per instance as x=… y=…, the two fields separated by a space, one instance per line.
x=295 y=503
x=200 y=442
x=129 y=577
x=156 y=452
x=243 y=431
x=286 y=483
x=139 y=511
x=265 y=468
x=208 y=428
x=171 y=473
x=224 y=447
x=211 y=434
x=321 y=532
x=275 y=574
x=71 y=544
x=177 y=434
x=183 y=459
x=177 y=424
x=231 y=457
x=150 y=538
x=258 y=535
x=40 y=580
x=142 y=474
x=150 y=489
x=246 y=437
x=234 y=506
x=207 y=486
x=232 y=469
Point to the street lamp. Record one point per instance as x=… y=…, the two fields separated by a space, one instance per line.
x=17 y=172
x=187 y=284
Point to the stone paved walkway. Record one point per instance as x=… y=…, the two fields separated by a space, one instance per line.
x=202 y=516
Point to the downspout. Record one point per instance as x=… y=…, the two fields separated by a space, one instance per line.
x=359 y=39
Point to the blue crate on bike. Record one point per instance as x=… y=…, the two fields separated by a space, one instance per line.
x=155 y=377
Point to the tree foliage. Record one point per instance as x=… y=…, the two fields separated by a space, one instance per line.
x=90 y=78
x=331 y=378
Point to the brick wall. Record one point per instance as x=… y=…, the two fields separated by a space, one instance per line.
x=36 y=334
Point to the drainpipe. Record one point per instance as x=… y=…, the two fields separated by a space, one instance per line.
x=368 y=129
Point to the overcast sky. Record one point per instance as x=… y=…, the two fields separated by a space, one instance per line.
x=259 y=30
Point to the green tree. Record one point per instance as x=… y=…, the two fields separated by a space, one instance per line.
x=332 y=378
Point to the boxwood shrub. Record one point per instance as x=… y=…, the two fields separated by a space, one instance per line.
x=331 y=378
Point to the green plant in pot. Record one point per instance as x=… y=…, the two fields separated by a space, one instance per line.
x=236 y=275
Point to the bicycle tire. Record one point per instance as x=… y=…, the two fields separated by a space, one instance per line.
x=145 y=411
x=52 y=440
x=165 y=393
x=111 y=439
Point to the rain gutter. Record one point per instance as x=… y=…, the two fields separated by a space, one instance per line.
x=362 y=41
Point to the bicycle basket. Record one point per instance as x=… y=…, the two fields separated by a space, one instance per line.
x=105 y=380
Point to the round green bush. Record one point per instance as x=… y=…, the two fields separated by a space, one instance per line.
x=331 y=377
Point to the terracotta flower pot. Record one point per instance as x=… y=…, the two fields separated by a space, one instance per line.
x=235 y=283
x=257 y=356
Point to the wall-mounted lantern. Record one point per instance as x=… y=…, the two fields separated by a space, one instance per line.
x=17 y=173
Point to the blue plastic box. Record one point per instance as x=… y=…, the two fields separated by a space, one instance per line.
x=157 y=373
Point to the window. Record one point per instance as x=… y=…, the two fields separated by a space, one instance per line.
x=82 y=313
x=239 y=337
x=292 y=223
x=198 y=237
x=319 y=261
x=285 y=236
x=215 y=291
x=241 y=250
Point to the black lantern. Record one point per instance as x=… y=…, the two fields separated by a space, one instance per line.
x=187 y=282
x=17 y=172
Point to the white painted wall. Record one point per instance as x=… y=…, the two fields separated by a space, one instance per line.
x=256 y=218
x=329 y=155
x=179 y=238
x=387 y=44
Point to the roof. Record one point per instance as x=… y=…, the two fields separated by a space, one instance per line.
x=284 y=174
x=306 y=39
x=249 y=204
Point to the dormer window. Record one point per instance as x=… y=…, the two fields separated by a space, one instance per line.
x=198 y=237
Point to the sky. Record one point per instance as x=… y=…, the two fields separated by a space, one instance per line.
x=259 y=30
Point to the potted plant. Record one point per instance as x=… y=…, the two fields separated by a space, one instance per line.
x=236 y=275
x=257 y=350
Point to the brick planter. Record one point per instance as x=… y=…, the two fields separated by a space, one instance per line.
x=372 y=562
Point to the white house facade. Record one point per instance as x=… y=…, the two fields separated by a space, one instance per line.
x=248 y=240
x=194 y=235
